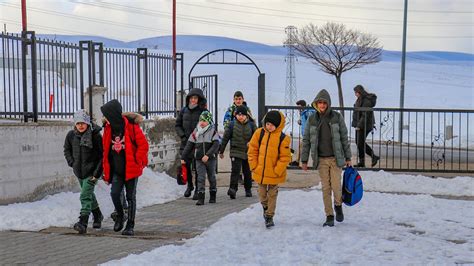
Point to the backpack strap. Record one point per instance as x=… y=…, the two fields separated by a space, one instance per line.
x=262 y=133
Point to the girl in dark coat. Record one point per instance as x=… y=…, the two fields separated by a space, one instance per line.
x=125 y=157
x=363 y=122
x=83 y=152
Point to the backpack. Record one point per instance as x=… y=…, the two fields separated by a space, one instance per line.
x=352 y=187
x=372 y=99
x=262 y=133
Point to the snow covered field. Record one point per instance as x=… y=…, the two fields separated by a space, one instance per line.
x=62 y=209
x=382 y=229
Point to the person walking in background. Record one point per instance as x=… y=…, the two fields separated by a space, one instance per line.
x=363 y=121
x=204 y=142
x=239 y=132
x=125 y=157
x=83 y=152
x=305 y=113
x=325 y=136
x=230 y=113
x=186 y=122
x=269 y=155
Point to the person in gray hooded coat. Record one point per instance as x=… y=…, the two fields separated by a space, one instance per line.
x=325 y=136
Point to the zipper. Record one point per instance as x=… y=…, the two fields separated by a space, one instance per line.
x=265 y=157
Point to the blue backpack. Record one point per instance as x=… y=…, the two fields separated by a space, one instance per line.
x=352 y=188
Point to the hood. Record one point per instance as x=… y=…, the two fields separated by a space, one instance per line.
x=323 y=95
x=280 y=127
x=112 y=110
x=196 y=92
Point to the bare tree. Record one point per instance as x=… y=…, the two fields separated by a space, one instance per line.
x=336 y=49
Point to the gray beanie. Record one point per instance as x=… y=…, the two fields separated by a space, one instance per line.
x=82 y=116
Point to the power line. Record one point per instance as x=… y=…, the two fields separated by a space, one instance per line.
x=383 y=8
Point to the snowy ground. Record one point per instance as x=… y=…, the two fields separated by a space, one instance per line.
x=63 y=209
x=382 y=229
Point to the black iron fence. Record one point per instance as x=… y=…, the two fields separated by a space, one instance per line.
x=428 y=140
x=48 y=79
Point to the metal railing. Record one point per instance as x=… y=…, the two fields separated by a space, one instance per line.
x=48 y=79
x=430 y=140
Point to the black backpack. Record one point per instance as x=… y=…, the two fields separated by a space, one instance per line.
x=262 y=133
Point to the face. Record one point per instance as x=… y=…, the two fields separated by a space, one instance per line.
x=322 y=106
x=194 y=100
x=241 y=118
x=270 y=127
x=238 y=100
x=357 y=94
x=81 y=127
x=203 y=124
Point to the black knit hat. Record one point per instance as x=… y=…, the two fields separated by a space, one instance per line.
x=241 y=110
x=301 y=103
x=273 y=117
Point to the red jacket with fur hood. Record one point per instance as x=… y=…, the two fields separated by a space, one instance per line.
x=136 y=147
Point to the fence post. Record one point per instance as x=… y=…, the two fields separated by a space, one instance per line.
x=34 y=85
x=142 y=54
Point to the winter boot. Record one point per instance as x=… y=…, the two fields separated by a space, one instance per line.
x=98 y=218
x=264 y=210
x=118 y=223
x=195 y=196
x=329 y=221
x=375 y=160
x=81 y=225
x=212 y=198
x=231 y=192
x=201 y=196
x=188 y=191
x=360 y=164
x=248 y=193
x=113 y=215
x=132 y=209
x=339 y=214
x=269 y=221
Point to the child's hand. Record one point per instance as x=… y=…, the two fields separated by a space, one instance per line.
x=205 y=159
x=221 y=155
x=348 y=163
x=183 y=162
x=304 y=166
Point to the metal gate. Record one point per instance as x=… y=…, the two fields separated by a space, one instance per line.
x=208 y=84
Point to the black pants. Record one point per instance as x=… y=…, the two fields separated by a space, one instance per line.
x=362 y=146
x=237 y=165
x=131 y=190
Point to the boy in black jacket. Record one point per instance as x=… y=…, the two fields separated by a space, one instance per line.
x=83 y=152
x=204 y=141
x=239 y=132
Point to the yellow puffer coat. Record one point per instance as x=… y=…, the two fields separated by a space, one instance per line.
x=269 y=165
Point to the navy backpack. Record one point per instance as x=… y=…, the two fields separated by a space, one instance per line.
x=352 y=188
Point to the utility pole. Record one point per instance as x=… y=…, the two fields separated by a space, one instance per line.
x=23 y=15
x=290 y=89
x=174 y=35
x=402 y=80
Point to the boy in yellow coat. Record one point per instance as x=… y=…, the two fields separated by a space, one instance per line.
x=268 y=156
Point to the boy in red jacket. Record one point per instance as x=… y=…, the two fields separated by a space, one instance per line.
x=125 y=156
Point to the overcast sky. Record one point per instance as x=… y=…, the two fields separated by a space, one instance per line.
x=432 y=24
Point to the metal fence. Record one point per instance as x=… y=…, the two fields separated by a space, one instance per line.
x=429 y=140
x=48 y=79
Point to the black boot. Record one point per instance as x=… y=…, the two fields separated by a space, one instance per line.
x=98 y=218
x=329 y=221
x=339 y=214
x=114 y=214
x=195 y=196
x=118 y=223
x=248 y=193
x=212 y=198
x=132 y=209
x=264 y=211
x=269 y=221
x=375 y=160
x=188 y=191
x=231 y=192
x=201 y=196
x=81 y=225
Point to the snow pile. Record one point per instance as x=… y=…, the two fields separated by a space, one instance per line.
x=383 y=228
x=63 y=209
x=382 y=181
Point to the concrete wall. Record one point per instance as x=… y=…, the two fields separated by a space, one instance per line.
x=32 y=163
